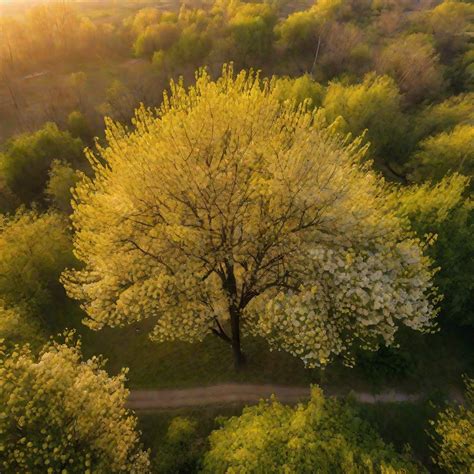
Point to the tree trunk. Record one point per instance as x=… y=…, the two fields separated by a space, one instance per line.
x=239 y=357
x=313 y=67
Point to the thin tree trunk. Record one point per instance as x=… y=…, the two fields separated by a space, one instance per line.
x=13 y=97
x=230 y=287
x=313 y=67
x=239 y=358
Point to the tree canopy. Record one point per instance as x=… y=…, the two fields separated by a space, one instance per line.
x=412 y=61
x=61 y=413
x=62 y=179
x=257 y=217
x=453 y=436
x=16 y=327
x=373 y=106
x=445 y=211
x=444 y=116
x=324 y=436
x=299 y=90
x=445 y=153
x=25 y=162
x=34 y=250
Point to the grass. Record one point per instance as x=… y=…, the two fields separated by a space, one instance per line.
x=428 y=361
x=155 y=425
x=405 y=425
x=180 y=364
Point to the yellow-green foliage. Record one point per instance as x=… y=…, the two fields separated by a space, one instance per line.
x=252 y=31
x=191 y=48
x=299 y=90
x=453 y=438
x=156 y=37
x=323 y=436
x=16 y=327
x=297 y=33
x=327 y=9
x=429 y=205
x=62 y=414
x=227 y=205
x=300 y=31
x=451 y=23
x=445 y=116
x=144 y=18
x=34 y=250
x=180 y=448
x=26 y=159
x=446 y=152
x=444 y=210
x=412 y=61
x=79 y=127
x=373 y=105
x=62 y=179
x=8 y=201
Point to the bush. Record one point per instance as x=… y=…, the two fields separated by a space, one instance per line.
x=62 y=179
x=446 y=152
x=179 y=452
x=324 y=436
x=373 y=105
x=16 y=327
x=453 y=435
x=27 y=159
x=79 y=127
x=59 y=411
x=34 y=250
x=386 y=364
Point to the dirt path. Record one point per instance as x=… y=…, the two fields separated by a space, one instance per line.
x=242 y=393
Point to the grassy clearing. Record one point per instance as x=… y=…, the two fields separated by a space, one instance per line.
x=424 y=363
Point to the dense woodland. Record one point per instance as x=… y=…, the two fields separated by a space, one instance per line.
x=226 y=191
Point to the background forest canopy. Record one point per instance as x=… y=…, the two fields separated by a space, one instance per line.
x=399 y=74
x=315 y=163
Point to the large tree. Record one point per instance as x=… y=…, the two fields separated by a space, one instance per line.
x=324 y=436
x=229 y=210
x=60 y=413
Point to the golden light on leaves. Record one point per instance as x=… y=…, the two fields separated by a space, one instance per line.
x=227 y=206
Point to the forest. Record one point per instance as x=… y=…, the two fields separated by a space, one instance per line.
x=237 y=236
